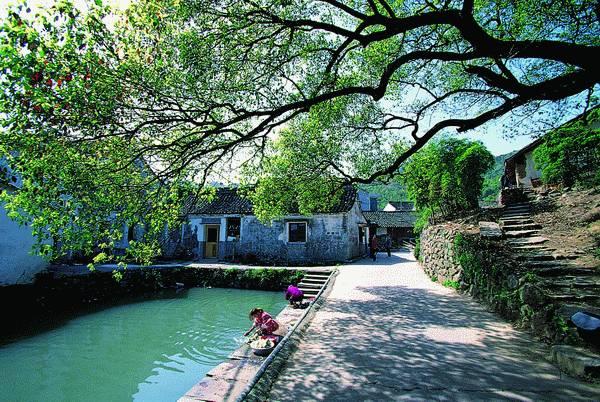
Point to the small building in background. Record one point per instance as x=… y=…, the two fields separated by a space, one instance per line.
x=368 y=201
x=520 y=169
x=399 y=206
x=398 y=225
x=227 y=229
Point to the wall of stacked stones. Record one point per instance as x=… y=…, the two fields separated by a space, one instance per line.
x=437 y=253
x=486 y=270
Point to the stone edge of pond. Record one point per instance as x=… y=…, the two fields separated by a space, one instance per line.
x=57 y=296
x=229 y=380
x=262 y=389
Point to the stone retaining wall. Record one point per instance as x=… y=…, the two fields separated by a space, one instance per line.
x=53 y=297
x=458 y=256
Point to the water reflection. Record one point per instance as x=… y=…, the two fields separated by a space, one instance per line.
x=150 y=351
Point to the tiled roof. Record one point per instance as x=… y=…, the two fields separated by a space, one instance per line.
x=225 y=201
x=229 y=201
x=392 y=219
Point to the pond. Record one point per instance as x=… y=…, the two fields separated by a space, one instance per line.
x=153 y=350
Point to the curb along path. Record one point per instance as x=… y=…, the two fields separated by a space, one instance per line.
x=386 y=332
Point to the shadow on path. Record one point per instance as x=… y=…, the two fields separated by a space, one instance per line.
x=416 y=341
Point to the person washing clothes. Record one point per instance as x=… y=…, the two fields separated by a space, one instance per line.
x=294 y=295
x=263 y=322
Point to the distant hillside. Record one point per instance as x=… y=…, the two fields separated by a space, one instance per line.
x=387 y=192
x=491 y=183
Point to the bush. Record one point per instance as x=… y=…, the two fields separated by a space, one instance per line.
x=571 y=154
x=445 y=178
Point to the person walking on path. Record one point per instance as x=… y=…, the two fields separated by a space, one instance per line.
x=374 y=248
x=388 y=245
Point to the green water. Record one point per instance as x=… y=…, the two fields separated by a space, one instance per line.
x=148 y=351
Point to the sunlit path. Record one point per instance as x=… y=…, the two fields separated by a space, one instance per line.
x=387 y=332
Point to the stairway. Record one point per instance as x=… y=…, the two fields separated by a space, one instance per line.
x=313 y=282
x=563 y=280
x=567 y=284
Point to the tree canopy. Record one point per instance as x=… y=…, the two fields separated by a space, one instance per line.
x=121 y=114
x=446 y=176
x=570 y=155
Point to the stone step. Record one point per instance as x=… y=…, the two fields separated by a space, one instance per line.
x=561 y=263
x=543 y=256
x=562 y=271
x=576 y=283
x=520 y=233
x=314 y=280
x=310 y=285
x=518 y=204
x=516 y=221
x=310 y=292
x=580 y=296
x=318 y=273
x=533 y=247
x=514 y=216
x=527 y=241
x=516 y=210
x=576 y=361
x=523 y=205
x=319 y=277
x=522 y=226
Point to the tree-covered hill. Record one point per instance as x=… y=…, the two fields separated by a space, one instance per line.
x=491 y=184
x=388 y=192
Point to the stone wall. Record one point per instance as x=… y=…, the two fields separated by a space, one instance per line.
x=457 y=256
x=437 y=253
x=51 y=297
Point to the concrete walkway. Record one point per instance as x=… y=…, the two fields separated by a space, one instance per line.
x=386 y=332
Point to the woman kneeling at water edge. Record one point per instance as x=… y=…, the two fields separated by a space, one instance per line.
x=294 y=295
x=263 y=322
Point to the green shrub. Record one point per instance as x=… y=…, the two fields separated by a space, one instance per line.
x=571 y=154
x=446 y=177
x=451 y=284
x=417 y=250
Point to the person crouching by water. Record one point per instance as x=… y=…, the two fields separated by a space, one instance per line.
x=263 y=322
x=294 y=295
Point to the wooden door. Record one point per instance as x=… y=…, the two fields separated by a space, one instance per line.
x=212 y=241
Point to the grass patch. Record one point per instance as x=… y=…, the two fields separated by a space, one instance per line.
x=451 y=284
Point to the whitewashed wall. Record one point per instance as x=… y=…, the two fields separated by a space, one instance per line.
x=17 y=265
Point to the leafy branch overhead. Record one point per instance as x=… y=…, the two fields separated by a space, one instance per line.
x=101 y=108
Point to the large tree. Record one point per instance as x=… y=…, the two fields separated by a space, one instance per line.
x=106 y=111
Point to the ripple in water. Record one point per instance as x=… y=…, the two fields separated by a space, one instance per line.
x=149 y=351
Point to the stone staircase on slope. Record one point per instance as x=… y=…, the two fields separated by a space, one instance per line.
x=563 y=280
x=570 y=286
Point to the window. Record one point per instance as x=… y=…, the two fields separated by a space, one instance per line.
x=233 y=227
x=297 y=232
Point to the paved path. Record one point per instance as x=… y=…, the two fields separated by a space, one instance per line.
x=386 y=332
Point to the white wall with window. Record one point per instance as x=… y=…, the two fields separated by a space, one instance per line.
x=297 y=232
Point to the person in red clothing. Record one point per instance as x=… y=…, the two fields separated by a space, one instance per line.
x=374 y=247
x=263 y=322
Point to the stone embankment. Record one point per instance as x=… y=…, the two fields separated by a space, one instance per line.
x=65 y=292
x=536 y=286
